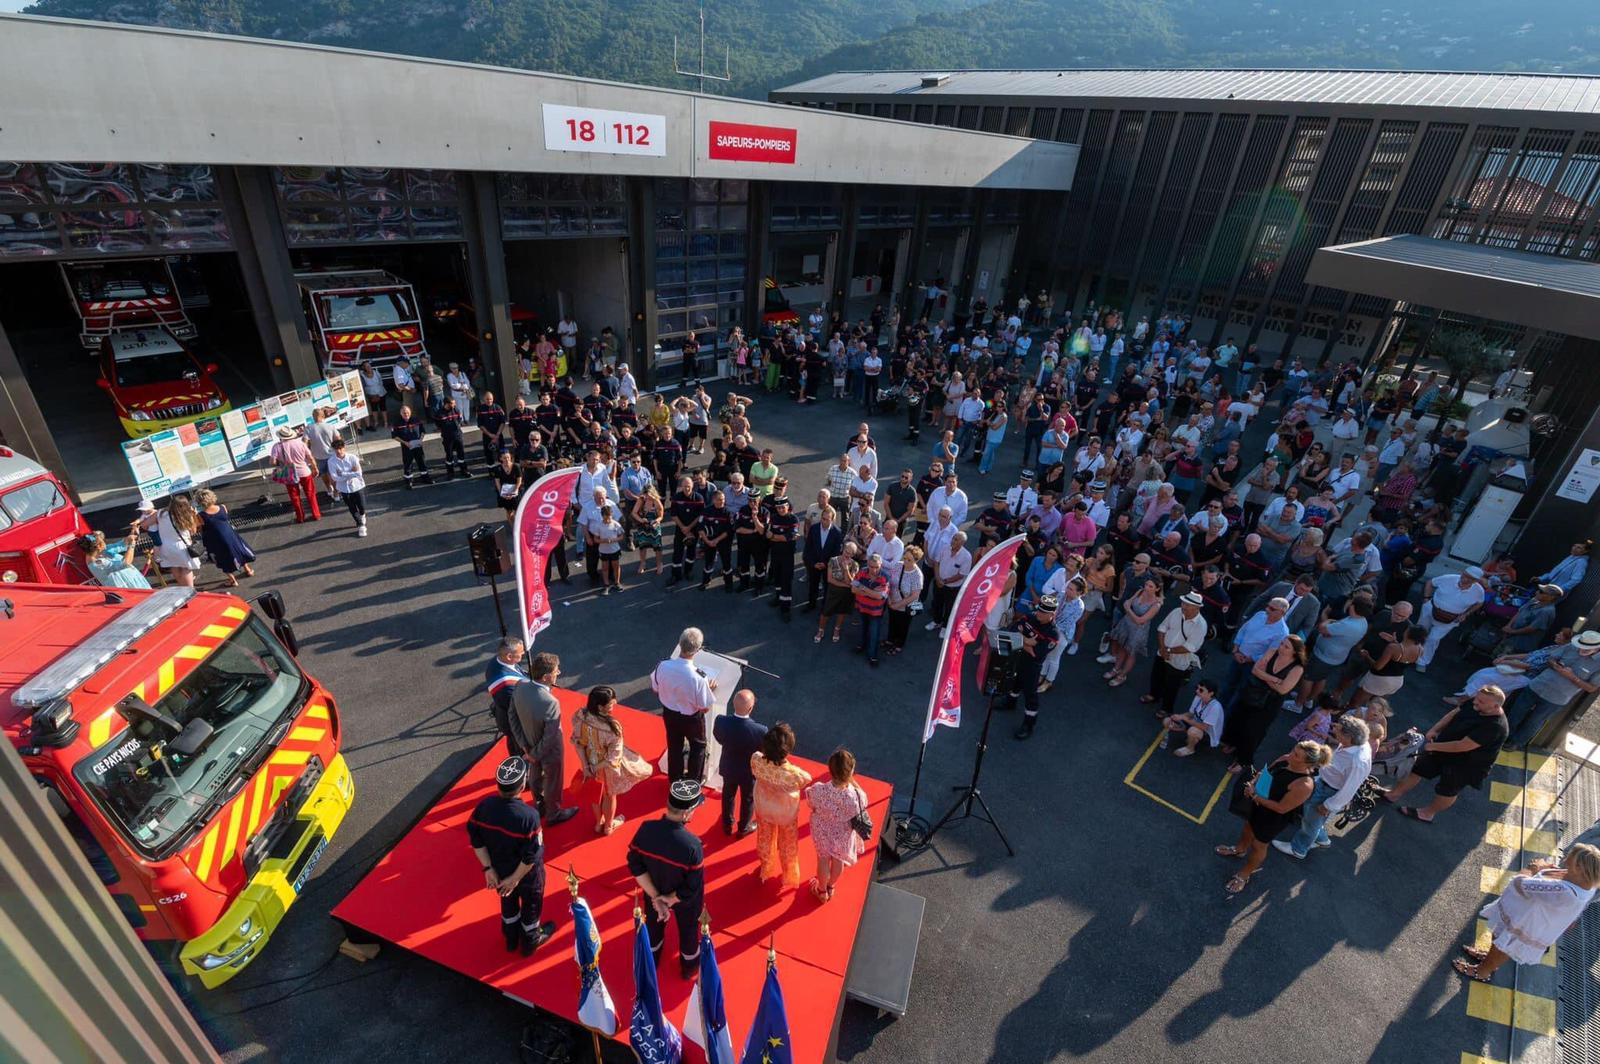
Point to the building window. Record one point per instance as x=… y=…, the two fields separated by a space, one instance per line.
x=801 y=205
x=49 y=209
x=366 y=204
x=557 y=206
x=702 y=241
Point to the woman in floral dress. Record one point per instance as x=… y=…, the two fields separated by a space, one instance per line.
x=835 y=801
x=609 y=766
x=779 y=782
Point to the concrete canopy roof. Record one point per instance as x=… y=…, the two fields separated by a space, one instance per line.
x=88 y=91
x=1544 y=291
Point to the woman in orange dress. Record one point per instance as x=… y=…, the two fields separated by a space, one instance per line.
x=609 y=767
x=779 y=782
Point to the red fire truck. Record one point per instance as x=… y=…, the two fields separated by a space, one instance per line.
x=39 y=526
x=361 y=316
x=156 y=382
x=125 y=294
x=188 y=754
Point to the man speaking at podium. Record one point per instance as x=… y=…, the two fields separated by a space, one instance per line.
x=686 y=695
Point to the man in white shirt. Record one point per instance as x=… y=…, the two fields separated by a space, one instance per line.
x=404 y=383
x=627 y=387
x=595 y=474
x=1141 y=330
x=1189 y=431
x=949 y=570
x=886 y=545
x=686 y=695
x=815 y=321
x=862 y=454
x=949 y=495
x=971 y=416
x=1371 y=553
x=1344 y=431
x=936 y=539
x=1449 y=601
x=1345 y=485
x=1392 y=454
x=863 y=489
x=1337 y=783
x=568 y=330
x=1179 y=637
x=872 y=369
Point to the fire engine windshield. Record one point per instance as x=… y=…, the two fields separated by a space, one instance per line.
x=244 y=691
x=367 y=310
x=155 y=369
x=124 y=280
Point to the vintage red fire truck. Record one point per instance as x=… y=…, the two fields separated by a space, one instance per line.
x=361 y=316
x=193 y=760
x=39 y=526
x=124 y=294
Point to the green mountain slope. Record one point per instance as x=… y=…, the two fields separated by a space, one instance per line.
x=778 y=42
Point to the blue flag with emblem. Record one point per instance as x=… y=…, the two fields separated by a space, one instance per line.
x=594 y=1000
x=654 y=1039
x=769 y=1032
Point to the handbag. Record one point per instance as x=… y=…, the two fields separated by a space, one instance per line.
x=861 y=823
x=195 y=550
x=1239 y=803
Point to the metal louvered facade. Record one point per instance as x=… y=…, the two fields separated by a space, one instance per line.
x=1207 y=192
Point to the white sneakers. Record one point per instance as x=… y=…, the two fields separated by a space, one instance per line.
x=1072 y=648
x=931 y=626
x=1283 y=847
x=361 y=527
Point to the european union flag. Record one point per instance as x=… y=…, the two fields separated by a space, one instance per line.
x=769 y=1032
x=654 y=1039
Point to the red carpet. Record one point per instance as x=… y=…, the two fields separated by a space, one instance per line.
x=427 y=896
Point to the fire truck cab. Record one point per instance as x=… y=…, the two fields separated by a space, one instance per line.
x=361 y=316
x=125 y=294
x=39 y=526
x=188 y=754
x=156 y=382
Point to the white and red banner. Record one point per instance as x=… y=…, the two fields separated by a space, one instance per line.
x=536 y=531
x=979 y=592
x=739 y=142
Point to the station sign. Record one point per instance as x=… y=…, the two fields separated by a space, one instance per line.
x=592 y=129
x=738 y=142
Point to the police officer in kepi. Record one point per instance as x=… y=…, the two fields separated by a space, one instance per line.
x=509 y=841
x=1039 y=637
x=667 y=861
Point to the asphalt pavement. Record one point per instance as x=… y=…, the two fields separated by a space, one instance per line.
x=1107 y=937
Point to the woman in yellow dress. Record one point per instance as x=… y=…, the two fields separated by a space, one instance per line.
x=779 y=782
x=609 y=767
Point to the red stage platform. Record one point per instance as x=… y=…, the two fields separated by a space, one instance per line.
x=427 y=896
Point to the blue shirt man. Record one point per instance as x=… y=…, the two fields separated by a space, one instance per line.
x=1257 y=636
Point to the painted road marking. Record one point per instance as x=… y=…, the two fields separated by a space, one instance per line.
x=1484 y=940
x=1513 y=837
x=1494 y=880
x=1518 y=759
x=1216 y=793
x=1501 y=1005
x=1477 y=1058
x=1507 y=794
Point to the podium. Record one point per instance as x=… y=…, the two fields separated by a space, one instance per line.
x=725 y=673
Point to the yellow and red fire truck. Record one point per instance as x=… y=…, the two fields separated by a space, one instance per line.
x=189 y=755
x=361 y=316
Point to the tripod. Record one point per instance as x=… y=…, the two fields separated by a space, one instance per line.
x=970 y=794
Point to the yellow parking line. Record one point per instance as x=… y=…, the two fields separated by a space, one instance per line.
x=1494 y=880
x=1507 y=794
x=1477 y=1058
x=1512 y=837
x=1498 y=1004
x=1483 y=940
x=1518 y=759
x=1216 y=793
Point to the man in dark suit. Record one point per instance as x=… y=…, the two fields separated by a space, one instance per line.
x=740 y=737
x=824 y=541
x=1304 y=606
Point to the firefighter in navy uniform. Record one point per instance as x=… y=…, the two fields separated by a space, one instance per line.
x=716 y=542
x=996 y=522
x=408 y=430
x=783 y=529
x=685 y=509
x=506 y=835
x=1039 y=637
x=455 y=451
x=491 y=429
x=750 y=528
x=667 y=861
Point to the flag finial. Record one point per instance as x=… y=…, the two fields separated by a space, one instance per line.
x=572 y=881
x=705 y=921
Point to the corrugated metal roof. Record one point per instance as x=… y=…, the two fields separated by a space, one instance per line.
x=1558 y=93
x=1551 y=272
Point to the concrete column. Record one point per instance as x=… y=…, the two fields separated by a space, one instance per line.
x=22 y=423
x=269 y=276
x=642 y=332
x=910 y=305
x=491 y=291
x=845 y=257
x=966 y=264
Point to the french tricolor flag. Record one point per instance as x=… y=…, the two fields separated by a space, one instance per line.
x=705 y=1025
